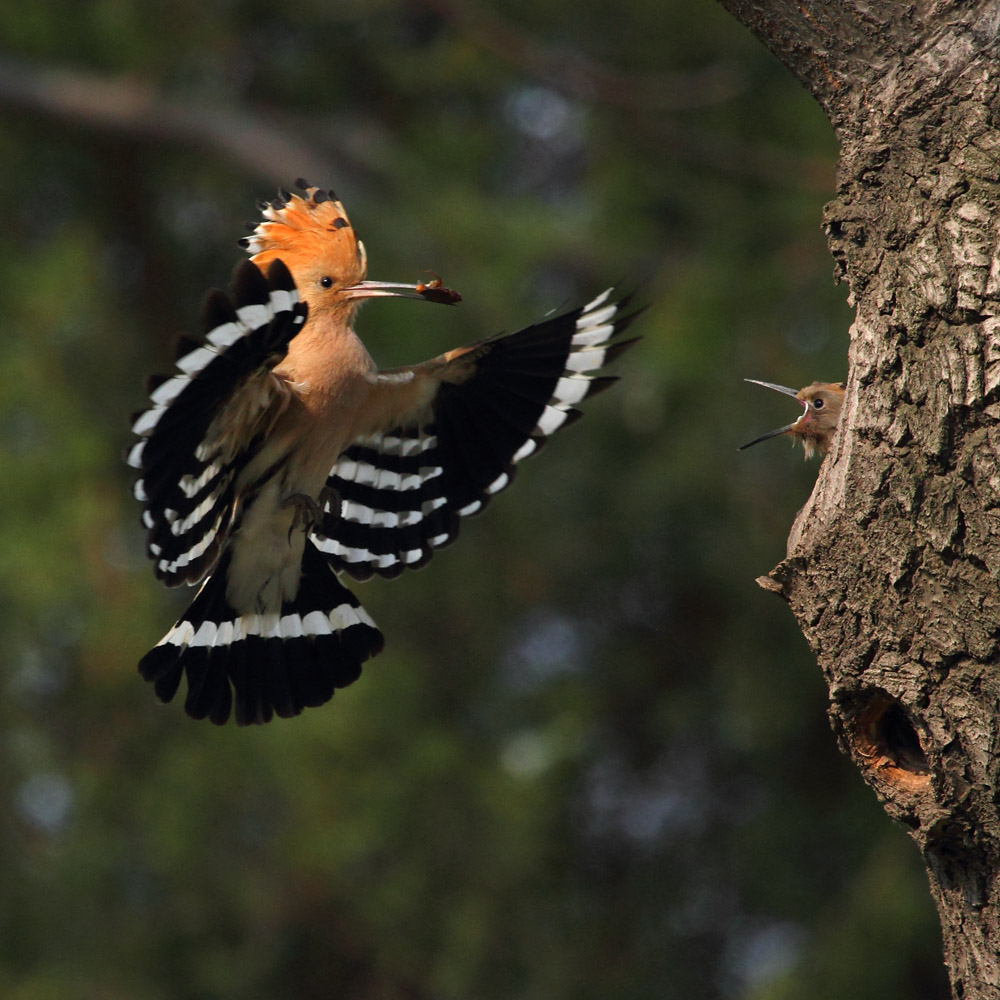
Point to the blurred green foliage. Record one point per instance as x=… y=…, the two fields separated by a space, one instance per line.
x=593 y=760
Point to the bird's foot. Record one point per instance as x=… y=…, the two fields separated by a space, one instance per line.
x=309 y=513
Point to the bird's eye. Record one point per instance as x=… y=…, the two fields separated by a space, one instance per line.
x=818 y=404
x=326 y=281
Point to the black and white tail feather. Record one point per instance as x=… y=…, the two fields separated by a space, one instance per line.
x=397 y=495
x=264 y=664
x=400 y=494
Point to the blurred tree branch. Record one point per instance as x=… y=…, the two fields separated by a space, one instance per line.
x=577 y=75
x=254 y=141
x=130 y=106
x=651 y=95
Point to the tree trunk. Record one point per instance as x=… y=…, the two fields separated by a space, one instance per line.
x=892 y=564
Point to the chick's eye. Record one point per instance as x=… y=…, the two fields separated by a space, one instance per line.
x=817 y=404
x=326 y=281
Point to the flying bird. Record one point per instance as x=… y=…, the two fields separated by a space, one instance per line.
x=821 y=402
x=279 y=459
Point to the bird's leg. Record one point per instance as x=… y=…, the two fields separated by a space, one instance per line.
x=309 y=513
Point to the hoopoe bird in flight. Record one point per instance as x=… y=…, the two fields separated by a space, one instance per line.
x=279 y=458
x=822 y=403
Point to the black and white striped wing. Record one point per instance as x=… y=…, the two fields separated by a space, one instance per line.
x=189 y=450
x=399 y=495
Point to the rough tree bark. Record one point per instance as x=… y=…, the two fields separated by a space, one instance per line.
x=892 y=564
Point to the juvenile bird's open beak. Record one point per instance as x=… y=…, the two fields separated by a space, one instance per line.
x=776 y=388
x=781 y=430
x=432 y=291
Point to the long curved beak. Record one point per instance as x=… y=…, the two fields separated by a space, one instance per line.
x=430 y=292
x=781 y=430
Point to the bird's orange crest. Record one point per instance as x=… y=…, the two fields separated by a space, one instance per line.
x=312 y=231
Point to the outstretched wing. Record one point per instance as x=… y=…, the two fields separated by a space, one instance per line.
x=395 y=496
x=205 y=420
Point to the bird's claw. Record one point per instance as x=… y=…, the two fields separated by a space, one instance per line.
x=309 y=513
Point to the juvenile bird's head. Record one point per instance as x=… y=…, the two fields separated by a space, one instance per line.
x=822 y=402
x=314 y=238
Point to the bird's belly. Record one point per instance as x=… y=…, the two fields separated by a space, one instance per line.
x=266 y=552
x=290 y=469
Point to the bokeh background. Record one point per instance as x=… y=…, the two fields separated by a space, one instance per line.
x=593 y=760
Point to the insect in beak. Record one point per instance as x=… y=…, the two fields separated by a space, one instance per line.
x=432 y=291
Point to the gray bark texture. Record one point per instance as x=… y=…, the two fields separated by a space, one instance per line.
x=892 y=566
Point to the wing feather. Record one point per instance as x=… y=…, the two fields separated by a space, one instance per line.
x=188 y=449
x=400 y=494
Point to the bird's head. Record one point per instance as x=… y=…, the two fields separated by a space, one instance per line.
x=313 y=236
x=821 y=403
